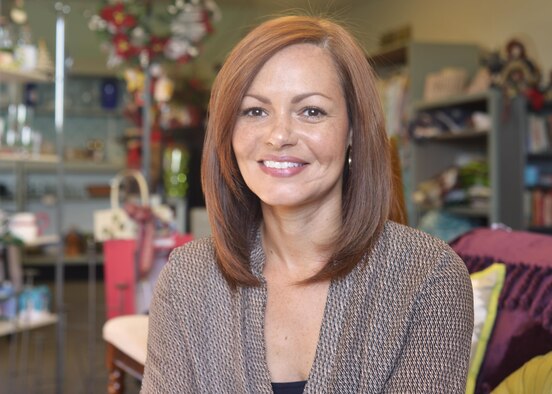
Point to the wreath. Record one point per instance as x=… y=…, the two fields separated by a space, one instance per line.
x=138 y=32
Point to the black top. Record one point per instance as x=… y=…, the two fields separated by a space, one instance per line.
x=289 y=387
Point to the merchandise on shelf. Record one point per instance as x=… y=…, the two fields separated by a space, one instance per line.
x=539 y=137
x=8 y=301
x=539 y=208
x=453 y=120
x=33 y=303
x=450 y=81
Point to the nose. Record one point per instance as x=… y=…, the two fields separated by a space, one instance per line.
x=281 y=132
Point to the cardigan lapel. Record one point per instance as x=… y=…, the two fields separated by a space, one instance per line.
x=253 y=306
x=323 y=367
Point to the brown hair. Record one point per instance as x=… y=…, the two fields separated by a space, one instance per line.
x=234 y=210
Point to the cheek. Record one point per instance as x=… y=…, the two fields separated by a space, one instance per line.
x=242 y=144
x=334 y=145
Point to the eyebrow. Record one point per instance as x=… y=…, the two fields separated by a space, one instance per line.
x=295 y=99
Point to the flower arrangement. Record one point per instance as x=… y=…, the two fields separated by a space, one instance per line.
x=137 y=32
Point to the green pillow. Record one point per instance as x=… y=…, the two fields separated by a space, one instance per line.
x=487 y=285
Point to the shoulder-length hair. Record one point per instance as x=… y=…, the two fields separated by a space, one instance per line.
x=234 y=210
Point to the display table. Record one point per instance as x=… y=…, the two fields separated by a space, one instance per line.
x=9 y=327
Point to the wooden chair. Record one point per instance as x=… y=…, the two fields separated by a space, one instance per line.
x=397 y=212
x=126 y=339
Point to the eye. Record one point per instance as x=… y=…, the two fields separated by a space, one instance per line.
x=313 y=112
x=253 y=112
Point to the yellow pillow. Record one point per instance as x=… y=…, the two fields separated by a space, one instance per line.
x=487 y=285
x=534 y=377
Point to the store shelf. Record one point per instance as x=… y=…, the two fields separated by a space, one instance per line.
x=457 y=135
x=540 y=156
x=43 y=240
x=18 y=325
x=50 y=199
x=92 y=167
x=28 y=159
x=389 y=56
x=453 y=101
x=20 y=76
x=43 y=260
x=539 y=187
x=71 y=112
x=473 y=212
x=48 y=164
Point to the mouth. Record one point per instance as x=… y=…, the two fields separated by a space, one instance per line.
x=281 y=164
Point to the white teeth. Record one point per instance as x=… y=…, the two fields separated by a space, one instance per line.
x=280 y=164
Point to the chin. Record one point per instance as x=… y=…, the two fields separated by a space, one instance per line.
x=287 y=198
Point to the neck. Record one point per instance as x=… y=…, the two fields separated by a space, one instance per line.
x=298 y=245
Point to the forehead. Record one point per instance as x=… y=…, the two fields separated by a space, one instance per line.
x=296 y=65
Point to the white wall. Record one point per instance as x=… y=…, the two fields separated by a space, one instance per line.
x=489 y=23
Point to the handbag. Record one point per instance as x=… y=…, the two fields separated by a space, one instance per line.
x=115 y=223
x=125 y=292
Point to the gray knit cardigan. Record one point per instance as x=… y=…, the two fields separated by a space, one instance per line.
x=400 y=322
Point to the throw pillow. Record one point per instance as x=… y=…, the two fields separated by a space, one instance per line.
x=487 y=285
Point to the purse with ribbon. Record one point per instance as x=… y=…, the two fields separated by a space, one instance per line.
x=115 y=223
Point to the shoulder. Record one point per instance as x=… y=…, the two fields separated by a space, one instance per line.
x=192 y=269
x=404 y=236
x=419 y=257
x=194 y=257
x=413 y=244
x=422 y=273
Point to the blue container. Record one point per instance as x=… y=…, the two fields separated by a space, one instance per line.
x=109 y=93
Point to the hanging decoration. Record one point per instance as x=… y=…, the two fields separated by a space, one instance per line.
x=137 y=32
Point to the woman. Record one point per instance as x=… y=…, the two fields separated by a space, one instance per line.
x=305 y=286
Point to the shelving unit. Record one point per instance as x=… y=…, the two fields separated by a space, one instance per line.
x=53 y=167
x=17 y=163
x=501 y=147
x=14 y=75
x=538 y=191
x=24 y=169
x=415 y=61
x=418 y=59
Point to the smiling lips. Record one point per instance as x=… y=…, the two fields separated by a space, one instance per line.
x=282 y=168
x=281 y=164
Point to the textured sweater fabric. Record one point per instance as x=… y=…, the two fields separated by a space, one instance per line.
x=400 y=322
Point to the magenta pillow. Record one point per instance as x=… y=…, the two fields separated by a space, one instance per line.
x=523 y=326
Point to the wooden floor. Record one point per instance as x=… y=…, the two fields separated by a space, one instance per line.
x=28 y=360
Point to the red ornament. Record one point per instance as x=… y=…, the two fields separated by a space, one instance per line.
x=207 y=22
x=156 y=46
x=535 y=98
x=123 y=47
x=184 y=59
x=117 y=17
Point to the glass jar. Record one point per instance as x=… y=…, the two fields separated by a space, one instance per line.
x=176 y=160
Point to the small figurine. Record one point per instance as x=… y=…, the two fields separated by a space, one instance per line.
x=520 y=75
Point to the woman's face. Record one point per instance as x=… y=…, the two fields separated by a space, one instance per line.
x=292 y=132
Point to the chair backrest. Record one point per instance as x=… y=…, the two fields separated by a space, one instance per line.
x=397 y=212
